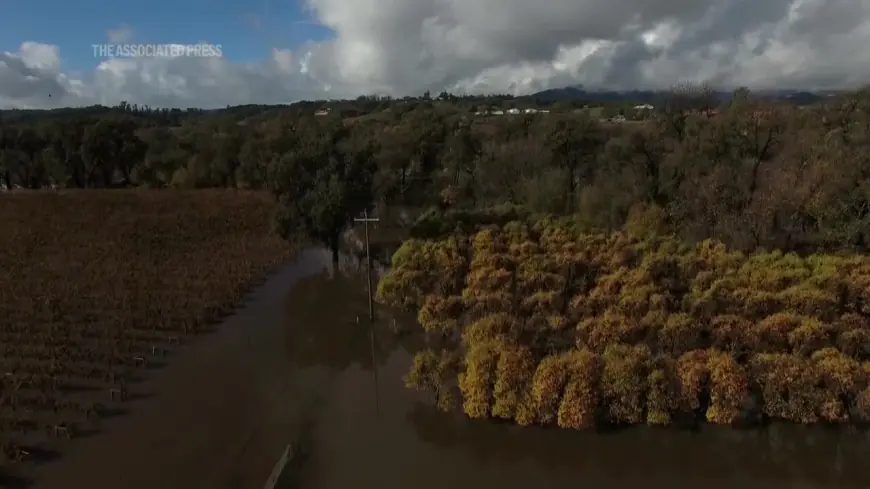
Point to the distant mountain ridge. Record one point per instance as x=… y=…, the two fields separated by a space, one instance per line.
x=651 y=96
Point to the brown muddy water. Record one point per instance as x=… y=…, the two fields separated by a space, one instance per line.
x=392 y=438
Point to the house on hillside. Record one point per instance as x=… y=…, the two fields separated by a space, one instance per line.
x=643 y=107
x=322 y=112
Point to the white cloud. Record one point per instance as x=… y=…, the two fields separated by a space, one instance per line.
x=408 y=46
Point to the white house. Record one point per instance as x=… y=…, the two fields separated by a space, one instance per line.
x=643 y=107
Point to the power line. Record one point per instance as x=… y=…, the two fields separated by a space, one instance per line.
x=366 y=219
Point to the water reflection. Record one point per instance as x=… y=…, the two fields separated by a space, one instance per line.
x=330 y=321
x=782 y=456
x=410 y=444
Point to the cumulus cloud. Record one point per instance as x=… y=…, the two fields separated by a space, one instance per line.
x=403 y=47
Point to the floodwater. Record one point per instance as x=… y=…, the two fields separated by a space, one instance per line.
x=216 y=417
x=295 y=366
x=392 y=438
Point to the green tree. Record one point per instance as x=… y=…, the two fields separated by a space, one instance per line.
x=323 y=184
x=575 y=144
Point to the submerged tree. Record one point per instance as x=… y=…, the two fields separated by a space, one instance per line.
x=324 y=183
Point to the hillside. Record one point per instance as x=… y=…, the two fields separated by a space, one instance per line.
x=653 y=97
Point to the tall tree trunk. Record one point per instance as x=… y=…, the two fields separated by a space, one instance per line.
x=333 y=247
x=571 y=189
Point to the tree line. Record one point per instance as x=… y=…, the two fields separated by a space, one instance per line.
x=543 y=324
x=751 y=172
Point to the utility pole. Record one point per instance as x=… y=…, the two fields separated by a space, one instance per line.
x=366 y=219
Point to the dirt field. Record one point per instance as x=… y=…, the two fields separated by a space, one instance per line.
x=99 y=290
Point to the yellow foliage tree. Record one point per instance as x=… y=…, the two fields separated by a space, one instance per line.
x=514 y=373
x=440 y=314
x=579 y=406
x=480 y=304
x=729 y=388
x=774 y=330
x=853 y=335
x=499 y=326
x=733 y=333
x=402 y=288
x=811 y=335
x=610 y=329
x=434 y=372
x=626 y=369
x=693 y=373
x=843 y=378
x=788 y=386
x=548 y=385
x=679 y=334
x=542 y=302
x=485 y=279
x=476 y=382
x=663 y=398
x=720 y=323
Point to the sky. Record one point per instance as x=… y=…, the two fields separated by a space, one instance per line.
x=281 y=51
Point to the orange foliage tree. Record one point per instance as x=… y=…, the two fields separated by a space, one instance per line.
x=660 y=327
